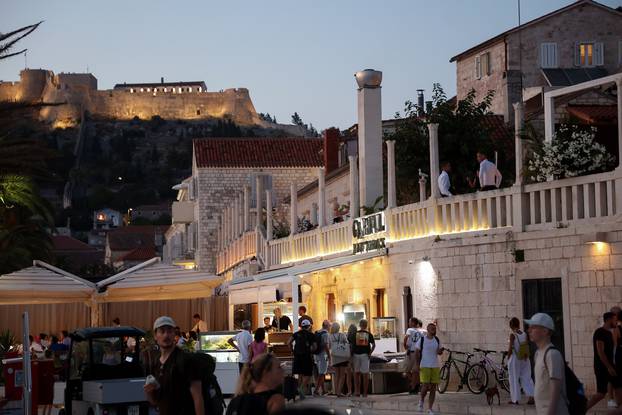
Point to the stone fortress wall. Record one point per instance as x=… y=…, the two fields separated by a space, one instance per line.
x=79 y=92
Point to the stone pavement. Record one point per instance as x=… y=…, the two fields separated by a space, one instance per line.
x=447 y=403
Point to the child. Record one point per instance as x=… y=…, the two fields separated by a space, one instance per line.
x=258 y=346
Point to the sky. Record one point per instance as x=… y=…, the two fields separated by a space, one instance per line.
x=292 y=55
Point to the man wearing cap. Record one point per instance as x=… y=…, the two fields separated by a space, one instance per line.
x=550 y=388
x=178 y=388
x=303 y=345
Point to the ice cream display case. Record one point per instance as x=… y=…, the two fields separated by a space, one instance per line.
x=385 y=334
x=216 y=345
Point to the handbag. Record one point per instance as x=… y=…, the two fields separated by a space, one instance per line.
x=340 y=349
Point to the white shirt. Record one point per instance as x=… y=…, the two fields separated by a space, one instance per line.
x=201 y=326
x=243 y=339
x=429 y=354
x=488 y=174
x=409 y=333
x=553 y=369
x=443 y=184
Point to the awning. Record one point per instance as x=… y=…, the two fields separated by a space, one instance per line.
x=153 y=280
x=43 y=283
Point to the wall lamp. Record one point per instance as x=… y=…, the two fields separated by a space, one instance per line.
x=595 y=237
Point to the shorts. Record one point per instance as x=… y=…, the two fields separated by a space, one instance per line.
x=430 y=375
x=341 y=364
x=360 y=363
x=303 y=365
x=603 y=378
x=410 y=363
x=321 y=362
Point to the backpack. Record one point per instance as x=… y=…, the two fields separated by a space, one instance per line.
x=212 y=394
x=304 y=342
x=319 y=341
x=575 y=392
x=523 y=350
x=247 y=404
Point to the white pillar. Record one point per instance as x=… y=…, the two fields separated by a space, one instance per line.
x=391 y=196
x=321 y=197
x=293 y=209
x=313 y=214
x=549 y=117
x=219 y=236
x=518 y=143
x=434 y=167
x=236 y=217
x=269 y=215
x=619 y=86
x=354 y=187
x=247 y=208
x=241 y=229
x=295 y=302
x=259 y=198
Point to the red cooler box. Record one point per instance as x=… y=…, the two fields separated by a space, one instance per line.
x=42 y=381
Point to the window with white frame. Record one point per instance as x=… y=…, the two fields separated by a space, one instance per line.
x=483 y=65
x=548 y=55
x=478 y=67
x=589 y=54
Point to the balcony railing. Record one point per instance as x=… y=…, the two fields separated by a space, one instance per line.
x=520 y=208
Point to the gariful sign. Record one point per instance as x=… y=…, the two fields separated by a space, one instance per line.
x=363 y=230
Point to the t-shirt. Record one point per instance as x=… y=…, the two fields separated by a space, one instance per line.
x=606 y=337
x=362 y=342
x=412 y=340
x=58 y=347
x=282 y=324
x=322 y=346
x=243 y=339
x=174 y=376
x=303 y=342
x=554 y=368
x=429 y=354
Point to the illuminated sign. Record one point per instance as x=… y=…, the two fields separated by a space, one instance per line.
x=365 y=231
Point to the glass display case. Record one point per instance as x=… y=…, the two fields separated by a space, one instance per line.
x=215 y=344
x=384 y=327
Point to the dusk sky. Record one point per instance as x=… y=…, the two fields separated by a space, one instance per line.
x=291 y=55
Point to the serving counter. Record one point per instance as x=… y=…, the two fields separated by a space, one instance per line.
x=227 y=370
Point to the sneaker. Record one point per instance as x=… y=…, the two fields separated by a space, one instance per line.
x=612 y=404
x=420 y=407
x=430 y=412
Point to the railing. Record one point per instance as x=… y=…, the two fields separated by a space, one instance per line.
x=530 y=207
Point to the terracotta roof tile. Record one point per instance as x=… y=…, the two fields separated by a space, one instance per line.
x=139 y=254
x=594 y=113
x=67 y=243
x=258 y=152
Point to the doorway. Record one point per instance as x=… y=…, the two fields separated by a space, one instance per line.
x=331 y=309
x=545 y=296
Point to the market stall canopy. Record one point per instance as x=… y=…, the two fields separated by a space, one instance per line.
x=43 y=283
x=153 y=280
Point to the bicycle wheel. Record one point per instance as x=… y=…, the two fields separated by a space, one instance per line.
x=504 y=380
x=477 y=378
x=444 y=378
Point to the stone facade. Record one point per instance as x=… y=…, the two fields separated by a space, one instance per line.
x=337 y=194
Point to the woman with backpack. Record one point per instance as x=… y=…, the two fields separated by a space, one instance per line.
x=519 y=366
x=258 y=391
x=339 y=356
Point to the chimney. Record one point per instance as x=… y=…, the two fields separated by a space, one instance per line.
x=428 y=107
x=420 y=102
x=369 y=136
x=161 y=79
x=331 y=148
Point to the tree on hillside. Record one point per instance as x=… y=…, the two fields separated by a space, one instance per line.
x=297 y=120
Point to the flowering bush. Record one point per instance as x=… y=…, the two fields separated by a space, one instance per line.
x=572 y=152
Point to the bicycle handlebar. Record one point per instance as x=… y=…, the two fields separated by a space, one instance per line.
x=484 y=351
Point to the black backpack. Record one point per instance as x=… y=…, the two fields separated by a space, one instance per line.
x=575 y=392
x=247 y=404
x=319 y=341
x=212 y=394
x=304 y=342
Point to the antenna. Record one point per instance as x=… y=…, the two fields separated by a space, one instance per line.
x=26 y=59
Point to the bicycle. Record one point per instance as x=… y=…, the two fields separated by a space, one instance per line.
x=477 y=375
x=445 y=372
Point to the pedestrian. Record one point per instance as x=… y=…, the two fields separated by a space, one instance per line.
x=549 y=369
x=604 y=367
x=258 y=346
x=57 y=346
x=241 y=343
x=281 y=322
x=65 y=339
x=519 y=366
x=364 y=345
x=339 y=357
x=427 y=351
x=116 y=322
x=267 y=326
x=176 y=386
x=488 y=174
x=45 y=342
x=302 y=344
x=302 y=315
x=199 y=325
x=321 y=357
x=36 y=348
x=443 y=180
x=617 y=354
x=180 y=340
x=411 y=365
x=259 y=388
x=351 y=336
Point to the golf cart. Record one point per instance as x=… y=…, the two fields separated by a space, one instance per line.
x=105 y=375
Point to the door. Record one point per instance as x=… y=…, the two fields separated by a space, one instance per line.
x=331 y=309
x=545 y=296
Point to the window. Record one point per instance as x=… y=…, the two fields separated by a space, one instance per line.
x=266 y=181
x=483 y=65
x=478 y=68
x=548 y=55
x=589 y=54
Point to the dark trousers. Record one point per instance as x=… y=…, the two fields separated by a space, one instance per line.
x=486 y=188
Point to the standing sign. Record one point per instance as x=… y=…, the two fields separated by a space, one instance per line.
x=366 y=232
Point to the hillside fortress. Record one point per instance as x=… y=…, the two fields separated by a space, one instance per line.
x=170 y=100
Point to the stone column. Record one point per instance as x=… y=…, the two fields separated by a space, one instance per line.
x=313 y=214
x=259 y=198
x=321 y=197
x=293 y=209
x=434 y=162
x=392 y=202
x=247 y=208
x=219 y=228
x=241 y=213
x=295 y=301
x=549 y=117
x=354 y=187
x=236 y=215
x=226 y=227
x=268 y=215
x=619 y=86
x=422 y=188
x=518 y=143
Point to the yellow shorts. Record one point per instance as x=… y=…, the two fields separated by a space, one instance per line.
x=430 y=375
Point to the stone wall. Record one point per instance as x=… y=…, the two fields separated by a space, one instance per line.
x=337 y=193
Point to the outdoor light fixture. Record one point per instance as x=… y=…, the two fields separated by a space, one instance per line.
x=595 y=238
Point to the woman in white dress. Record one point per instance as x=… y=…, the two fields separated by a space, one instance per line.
x=519 y=366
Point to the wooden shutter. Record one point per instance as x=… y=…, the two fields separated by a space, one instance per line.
x=577 y=54
x=599 y=54
x=487 y=66
x=548 y=55
x=478 y=67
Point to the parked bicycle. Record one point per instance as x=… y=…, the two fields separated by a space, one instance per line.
x=445 y=373
x=478 y=374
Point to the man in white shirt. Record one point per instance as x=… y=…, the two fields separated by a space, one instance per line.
x=241 y=342
x=411 y=364
x=443 y=180
x=550 y=391
x=488 y=174
x=427 y=351
x=199 y=325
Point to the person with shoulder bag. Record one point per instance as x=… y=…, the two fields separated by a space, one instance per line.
x=339 y=351
x=519 y=366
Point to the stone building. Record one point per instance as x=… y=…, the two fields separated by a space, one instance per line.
x=576 y=43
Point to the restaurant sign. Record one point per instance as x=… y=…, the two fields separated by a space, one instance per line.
x=366 y=232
